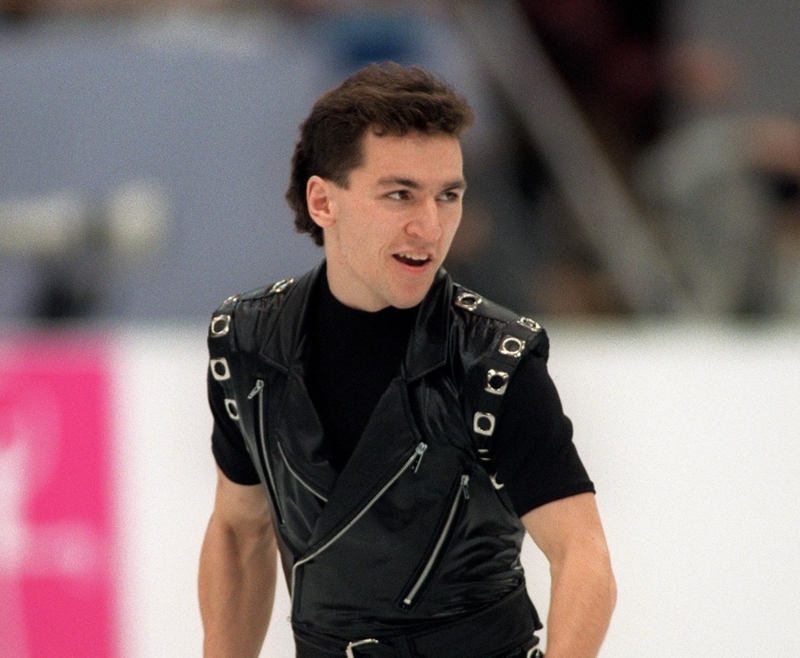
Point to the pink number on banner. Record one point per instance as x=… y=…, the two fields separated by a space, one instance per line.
x=57 y=585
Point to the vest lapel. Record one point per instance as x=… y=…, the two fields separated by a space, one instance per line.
x=388 y=440
x=301 y=437
x=390 y=435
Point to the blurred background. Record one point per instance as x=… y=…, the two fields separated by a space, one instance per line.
x=634 y=184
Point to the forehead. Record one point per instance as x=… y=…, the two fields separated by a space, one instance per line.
x=411 y=153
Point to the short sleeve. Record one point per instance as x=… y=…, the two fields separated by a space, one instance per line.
x=536 y=458
x=227 y=443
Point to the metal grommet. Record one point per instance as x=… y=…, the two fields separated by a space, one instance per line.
x=496 y=381
x=511 y=346
x=497 y=485
x=219 y=369
x=468 y=300
x=280 y=286
x=220 y=325
x=232 y=408
x=529 y=324
x=483 y=423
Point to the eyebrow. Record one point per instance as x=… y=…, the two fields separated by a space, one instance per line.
x=459 y=183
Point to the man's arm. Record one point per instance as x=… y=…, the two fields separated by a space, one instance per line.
x=237 y=571
x=583 y=591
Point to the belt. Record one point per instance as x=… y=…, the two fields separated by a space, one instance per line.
x=500 y=627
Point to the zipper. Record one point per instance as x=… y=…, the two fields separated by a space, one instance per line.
x=414 y=460
x=258 y=390
x=462 y=492
x=298 y=478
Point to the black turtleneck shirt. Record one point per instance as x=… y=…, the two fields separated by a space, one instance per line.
x=353 y=357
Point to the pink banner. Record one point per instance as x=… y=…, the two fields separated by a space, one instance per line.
x=57 y=534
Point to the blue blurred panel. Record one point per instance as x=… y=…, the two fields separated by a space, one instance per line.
x=210 y=115
x=205 y=107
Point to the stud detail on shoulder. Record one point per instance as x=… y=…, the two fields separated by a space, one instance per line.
x=511 y=346
x=219 y=369
x=529 y=324
x=468 y=300
x=280 y=286
x=496 y=382
x=220 y=325
x=483 y=423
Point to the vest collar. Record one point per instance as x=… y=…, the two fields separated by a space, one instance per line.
x=283 y=345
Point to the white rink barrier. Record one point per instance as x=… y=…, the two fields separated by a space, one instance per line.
x=691 y=434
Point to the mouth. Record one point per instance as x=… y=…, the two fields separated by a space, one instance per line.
x=413 y=260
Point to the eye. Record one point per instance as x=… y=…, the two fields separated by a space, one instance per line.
x=450 y=196
x=399 y=195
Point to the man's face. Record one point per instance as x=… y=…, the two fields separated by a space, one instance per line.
x=388 y=232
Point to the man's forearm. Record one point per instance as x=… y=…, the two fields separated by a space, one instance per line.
x=582 y=599
x=237 y=590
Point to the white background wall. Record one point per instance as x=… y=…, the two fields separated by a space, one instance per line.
x=691 y=434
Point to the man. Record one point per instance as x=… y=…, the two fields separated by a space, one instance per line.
x=368 y=427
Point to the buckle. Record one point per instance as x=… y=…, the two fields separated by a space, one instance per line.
x=352 y=645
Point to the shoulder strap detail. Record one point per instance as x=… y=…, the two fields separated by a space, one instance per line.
x=486 y=385
x=221 y=344
x=222 y=339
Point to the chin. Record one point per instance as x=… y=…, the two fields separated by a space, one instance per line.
x=410 y=299
x=406 y=303
x=407 y=294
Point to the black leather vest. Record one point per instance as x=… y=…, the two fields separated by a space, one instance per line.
x=414 y=529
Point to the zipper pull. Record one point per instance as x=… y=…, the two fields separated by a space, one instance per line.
x=256 y=389
x=465 y=486
x=421 y=448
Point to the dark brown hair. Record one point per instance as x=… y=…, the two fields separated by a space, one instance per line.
x=387 y=98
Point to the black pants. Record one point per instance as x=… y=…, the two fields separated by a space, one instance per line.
x=502 y=630
x=526 y=651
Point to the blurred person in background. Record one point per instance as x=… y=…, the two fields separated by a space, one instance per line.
x=607 y=53
x=722 y=186
x=716 y=188
x=358 y=428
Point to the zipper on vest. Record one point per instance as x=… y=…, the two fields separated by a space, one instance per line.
x=297 y=477
x=413 y=460
x=461 y=492
x=258 y=391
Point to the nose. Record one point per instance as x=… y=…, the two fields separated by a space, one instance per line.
x=425 y=222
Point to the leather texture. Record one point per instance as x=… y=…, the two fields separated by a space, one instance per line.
x=413 y=531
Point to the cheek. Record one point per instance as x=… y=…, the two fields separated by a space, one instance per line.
x=450 y=226
x=363 y=236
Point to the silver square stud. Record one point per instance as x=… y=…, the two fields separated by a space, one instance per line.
x=511 y=346
x=529 y=324
x=468 y=300
x=219 y=369
x=220 y=325
x=483 y=423
x=232 y=408
x=496 y=381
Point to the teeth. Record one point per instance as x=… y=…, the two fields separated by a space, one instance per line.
x=413 y=257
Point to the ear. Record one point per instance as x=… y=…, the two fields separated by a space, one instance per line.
x=319 y=197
